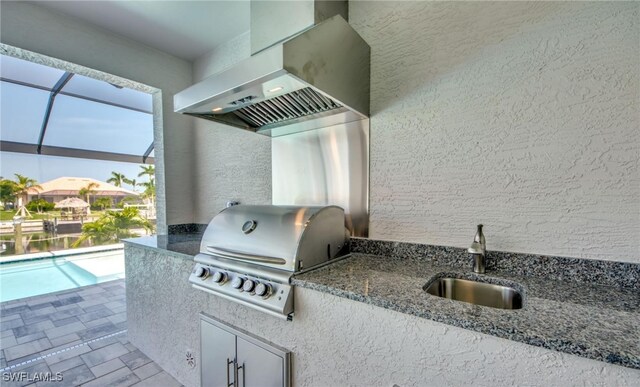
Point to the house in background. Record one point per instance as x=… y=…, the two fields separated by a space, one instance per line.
x=63 y=187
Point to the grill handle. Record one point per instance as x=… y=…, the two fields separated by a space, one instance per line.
x=230 y=254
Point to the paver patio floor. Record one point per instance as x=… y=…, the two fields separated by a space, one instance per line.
x=78 y=336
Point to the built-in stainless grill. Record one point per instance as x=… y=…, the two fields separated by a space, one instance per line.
x=249 y=253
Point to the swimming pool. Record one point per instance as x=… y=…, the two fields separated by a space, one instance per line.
x=31 y=278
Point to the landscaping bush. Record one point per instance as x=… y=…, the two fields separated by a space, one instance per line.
x=40 y=205
x=114 y=226
x=128 y=200
x=102 y=204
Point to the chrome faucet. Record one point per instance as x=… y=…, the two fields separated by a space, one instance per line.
x=478 y=251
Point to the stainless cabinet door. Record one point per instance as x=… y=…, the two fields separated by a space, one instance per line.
x=218 y=350
x=258 y=367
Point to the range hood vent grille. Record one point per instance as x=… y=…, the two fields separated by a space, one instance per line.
x=296 y=104
x=315 y=79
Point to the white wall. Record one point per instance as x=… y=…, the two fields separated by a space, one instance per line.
x=230 y=163
x=522 y=116
x=44 y=32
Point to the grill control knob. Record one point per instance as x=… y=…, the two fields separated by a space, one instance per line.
x=248 y=285
x=237 y=282
x=202 y=272
x=263 y=290
x=219 y=277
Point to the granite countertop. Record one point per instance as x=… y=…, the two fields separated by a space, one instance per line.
x=593 y=321
x=582 y=307
x=184 y=246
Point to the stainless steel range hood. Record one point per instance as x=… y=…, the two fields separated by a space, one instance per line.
x=317 y=78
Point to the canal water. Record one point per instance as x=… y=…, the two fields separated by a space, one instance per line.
x=40 y=242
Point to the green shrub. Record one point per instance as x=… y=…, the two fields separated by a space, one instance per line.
x=113 y=226
x=128 y=200
x=102 y=204
x=40 y=205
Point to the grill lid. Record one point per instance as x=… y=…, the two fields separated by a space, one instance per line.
x=289 y=238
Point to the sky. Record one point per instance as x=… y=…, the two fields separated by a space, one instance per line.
x=45 y=168
x=74 y=123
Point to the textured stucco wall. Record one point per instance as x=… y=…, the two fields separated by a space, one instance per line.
x=521 y=116
x=230 y=163
x=339 y=342
x=42 y=31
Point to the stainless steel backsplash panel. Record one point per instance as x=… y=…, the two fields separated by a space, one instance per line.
x=328 y=166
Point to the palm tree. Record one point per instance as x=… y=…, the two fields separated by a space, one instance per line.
x=148 y=170
x=113 y=226
x=149 y=186
x=87 y=192
x=22 y=186
x=149 y=190
x=132 y=182
x=116 y=179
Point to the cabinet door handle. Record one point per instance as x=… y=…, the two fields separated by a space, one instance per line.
x=243 y=375
x=229 y=362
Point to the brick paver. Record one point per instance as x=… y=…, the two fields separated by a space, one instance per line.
x=81 y=334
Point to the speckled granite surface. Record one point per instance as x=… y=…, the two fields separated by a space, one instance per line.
x=180 y=245
x=608 y=273
x=560 y=312
x=187 y=228
x=593 y=321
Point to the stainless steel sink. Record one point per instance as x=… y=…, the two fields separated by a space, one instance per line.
x=474 y=292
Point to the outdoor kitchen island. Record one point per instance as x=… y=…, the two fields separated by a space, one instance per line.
x=337 y=337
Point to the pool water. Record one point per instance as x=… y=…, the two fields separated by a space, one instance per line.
x=32 y=278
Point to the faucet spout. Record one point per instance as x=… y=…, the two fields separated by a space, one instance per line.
x=478 y=252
